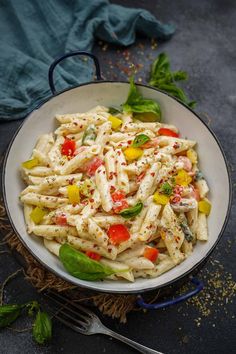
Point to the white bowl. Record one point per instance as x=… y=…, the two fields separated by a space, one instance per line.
x=82 y=98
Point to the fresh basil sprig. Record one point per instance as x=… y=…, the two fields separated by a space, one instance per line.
x=42 y=328
x=131 y=212
x=81 y=266
x=140 y=140
x=89 y=134
x=163 y=78
x=9 y=313
x=137 y=104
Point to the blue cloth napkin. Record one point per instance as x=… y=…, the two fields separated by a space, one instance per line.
x=34 y=33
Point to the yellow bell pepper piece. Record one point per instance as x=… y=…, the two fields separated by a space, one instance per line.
x=204 y=206
x=73 y=194
x=30 y=163
x=37 y=215
x=132 y=153
x=183 y=178
x=161 y=198
x=192 y=155
x=115 y=122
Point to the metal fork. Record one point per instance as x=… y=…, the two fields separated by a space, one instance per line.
x=84 y=321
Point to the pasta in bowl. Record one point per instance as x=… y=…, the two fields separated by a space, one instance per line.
x=115 y=197
x=63 y=174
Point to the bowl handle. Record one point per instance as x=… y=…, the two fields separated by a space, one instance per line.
x=198 y=287
x=71 y=54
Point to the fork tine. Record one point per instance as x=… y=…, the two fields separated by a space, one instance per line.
x=67 y=306
x=72 y=303
x=85 y=325
x=81 y=329
x=70 y=325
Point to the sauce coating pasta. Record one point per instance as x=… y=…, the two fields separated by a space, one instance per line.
x=118 y=190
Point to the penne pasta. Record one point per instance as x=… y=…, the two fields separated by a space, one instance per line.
x=126 y=193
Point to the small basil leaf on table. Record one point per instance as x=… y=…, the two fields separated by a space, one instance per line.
x=135 y=103
x=81 y=266
x=140 y=140
x=42 y=328
x=9 y=313
x=131 y=212
x=32 y=307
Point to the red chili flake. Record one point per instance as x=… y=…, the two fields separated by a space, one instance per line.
x=152 y=174
x=71 y=181
x=91 y=200
x=176 y=145
x=112 y=189
x=129 y=141
x=81 y=126
x=140 y=177
x=118 y=152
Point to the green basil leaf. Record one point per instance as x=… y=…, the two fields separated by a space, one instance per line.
x=32 y=307
x=192 y=104
x=89 y=134
x=163 y=78
x=160 y=66
x=42 y=328
x=131 y=212
x=9 y=313
x=140 y=140
x=114 y=111
x=137 y=104
x=179 y=76
x=81 y=266
x=166 y=188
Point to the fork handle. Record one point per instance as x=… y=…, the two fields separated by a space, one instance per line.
x=139 y=347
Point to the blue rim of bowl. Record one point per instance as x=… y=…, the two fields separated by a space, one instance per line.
x=170 y=282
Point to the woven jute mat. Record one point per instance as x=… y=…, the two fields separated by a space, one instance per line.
x=113 y=305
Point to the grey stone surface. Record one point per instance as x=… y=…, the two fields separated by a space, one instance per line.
x=205 y=46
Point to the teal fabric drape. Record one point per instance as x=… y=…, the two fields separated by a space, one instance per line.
x=35 y=32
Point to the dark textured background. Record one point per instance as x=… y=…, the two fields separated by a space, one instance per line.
x=205 y=46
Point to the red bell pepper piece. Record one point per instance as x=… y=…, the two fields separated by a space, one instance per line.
x=93 y=255
x=120 y=203
x=93 y=165
x=118 y=233
x=151 y=253
x=168 y=132
x=68 y=147
x=60 y=219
